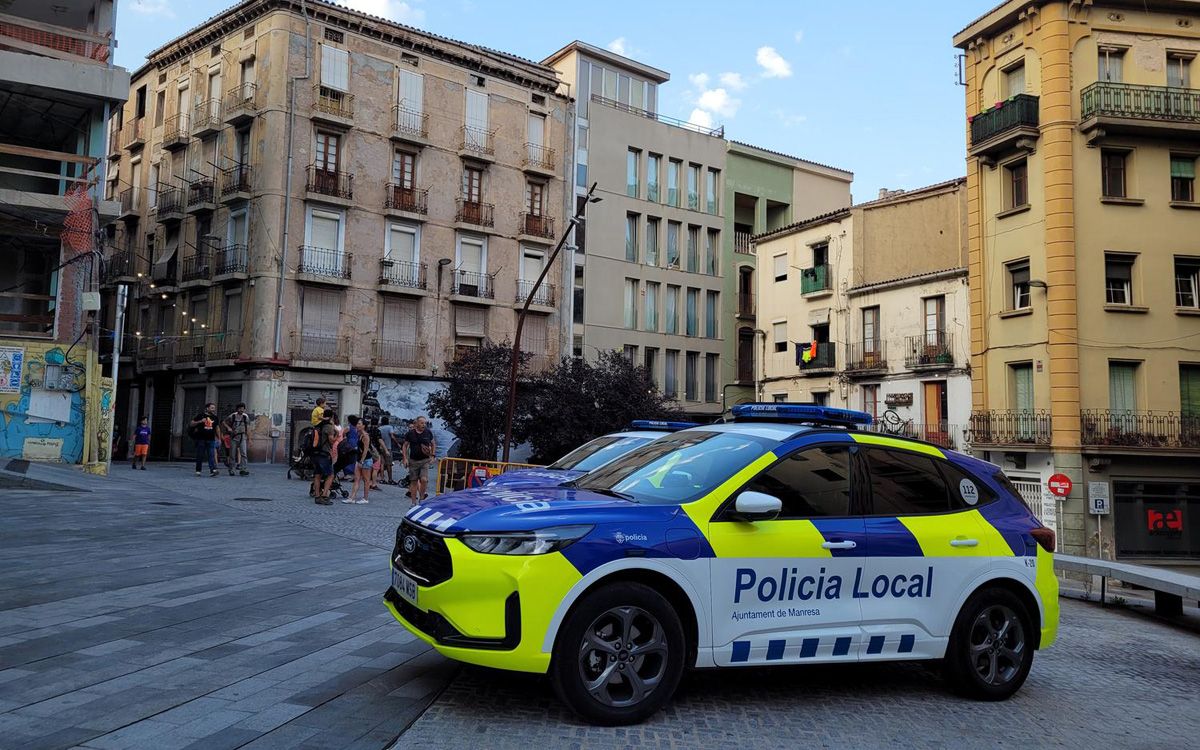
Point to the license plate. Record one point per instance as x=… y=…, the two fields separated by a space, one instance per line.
x=405 y=586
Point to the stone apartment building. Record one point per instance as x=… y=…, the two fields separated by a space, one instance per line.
x=866 y=308
x=1084 y=243
x=318 y=202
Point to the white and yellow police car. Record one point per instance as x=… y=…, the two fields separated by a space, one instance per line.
x=787 y=536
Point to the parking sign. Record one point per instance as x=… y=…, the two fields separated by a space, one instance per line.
x=1098 y=502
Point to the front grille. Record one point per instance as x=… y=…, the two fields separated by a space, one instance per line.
x=429 y=560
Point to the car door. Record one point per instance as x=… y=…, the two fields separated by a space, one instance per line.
x=781 y=588
x=925 y=552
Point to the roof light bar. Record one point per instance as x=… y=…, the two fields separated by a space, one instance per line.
x=658 y=424
x=813 y=413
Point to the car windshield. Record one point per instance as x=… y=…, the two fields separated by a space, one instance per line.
x=598 y=452
x=677 y=468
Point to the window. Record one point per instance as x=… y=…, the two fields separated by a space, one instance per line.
x=333 y=35
x=403 y=243
x=1122 y=394
x=637 y=94
x=650 y=362
x=404 y=170
x=870 y=330
x=152 y=186
x=693 y=187
x=690 y=321
x=631 y=238
x=652 y=241
x=585 y=89
x=710 y=377
x=653 y=165
x=470 y=326
x=160 y=107
x=935 y=320
x=781 y=266
x=652 y=288
x=710 y=191
x=1118 y=279
x=672 y=307
x=246 y=72
x=238 y=228
x=581 y=227
x=1018 y=279
x=779 y=336
x=242 y=148
x=870 y=400
x=231 y=315
x=1178 y=70
x=956 y=479
x=577 y=299
x=1187 y=276
x=905 y=484
x=779 y=398
x=324 y=229
x=811 y=483
x=335 y=69
x=673 y=168
x=320 y=311
x=1189 y=396
x=581 y=156
x=1112 y=173
x=1183 y=178
x=27 y=305
x=532 y=263
x=670 y=377
x=610 y=85
x=689 y=376
x=1017 y=180
x=710 y=314
x=535 y=199
x=471 y=255
x=629 y=352
x=472 y=185
x=693 y=249
x=1110 y=59
x=328 y=148
x=711 y=243
x=1014 y=80
x=537 y=136
x=673 y=244
x=399 y=322
x=631 y=299
x=1021 y=386
x=631 y=172
x=140 y=103
x=476 y=118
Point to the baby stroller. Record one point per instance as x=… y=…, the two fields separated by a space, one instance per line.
x=301 y=463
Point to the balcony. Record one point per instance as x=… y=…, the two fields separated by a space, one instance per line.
x=474 y=213
x=133 y=135
x=866 y=358
x=1010 y=428
x=206 y=118
x=410 y=125
x=176 y=132
x=478 y=143
x=129 y=347
x=323 y=266
x=201 y=196
x=941 y=434
x=322 y=182
x=233 y=184
x=539 y=159
x=114 y=140
x=741 y=243
x=397 y=354
x=1124 y=108
x=164 y=278
x=932 y=350
x=1008 y=126
x=717 y=132
x=225 y=346
x=815 y=280
x=823 y=362
x=131 y=203
x=156 y=352
x=307 y=347
x=121 y=268
x=1139 y=431
x=332 y=106
x=190 y=351
x=401 y=276
x=537 y=228
x=195 y=270
x=231 y=262
x=410 y=201
x=241 y=104
x=469 y=284
x=169 y=205
x=543 y=298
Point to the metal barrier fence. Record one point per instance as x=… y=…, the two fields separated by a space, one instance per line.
x=460 y=473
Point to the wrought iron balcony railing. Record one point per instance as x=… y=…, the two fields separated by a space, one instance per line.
x=201 y=192
x=234 y=180
x=823 y=359
x=326 y=182
x=539 y=157
x=206 y=116
x=334 y=103
x=131 y=200
x=169 y=203
x=324 y=262
x=1139 y=429
x=478 y=141
x=196 y=267
x=866 y=356
x=410 y=122
x=1139 y=102
x=815 y=279
x=1020 y=111
x=473 y=212
x=226 y=345
x=230 y=259
x=241 y=102
x=472 y=284
x=133 y=135
x=398 y=354
x=537 y=225
x=942 y=434
x=402 y=273
x=928 y=350
x=309 y=347
x=176 y=131
x=410 y=199
x=1010 y=427
x=121 y=264
x=544 y=296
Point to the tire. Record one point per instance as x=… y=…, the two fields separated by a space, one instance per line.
x=991 y=647
x=606 y=623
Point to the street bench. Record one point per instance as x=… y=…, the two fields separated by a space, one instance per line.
x=1170 y=588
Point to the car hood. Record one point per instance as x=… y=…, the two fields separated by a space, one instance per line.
x=533 y=478
x=502 y=508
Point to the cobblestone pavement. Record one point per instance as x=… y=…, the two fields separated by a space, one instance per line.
x=159 y=611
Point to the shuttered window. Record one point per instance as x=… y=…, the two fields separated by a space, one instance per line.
x=477 y=109
x=320 y=311
x=335 y=68
x=402 y=243
x=1189 y=390
x=780 y=267
x=400 y=321
x=324 y=230
x=1023 y=386
x=470 y=322
x=412 y=91
x=470 y=255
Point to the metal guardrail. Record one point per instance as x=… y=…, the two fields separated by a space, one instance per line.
x=929 y=350
x=1010 y=427
x=1139 y=102
x=544 y=295
x=537 y=225
x=539 y=156
x=717 y=132
x=402 y=273
x=410 y=122
x=1019 y=111
x=232 y=258
x=473 y=212
x=412 y=200
x=322 y=261
x=1139 y=429
x=398 y=354
x=472 y=284
x=314 y=348
x=177 y=131
x=866 y=356
x=332 y=102
x=324 y=182
x=1170 y=587
x=815 y=279
x=478 y=141
x=459 y=473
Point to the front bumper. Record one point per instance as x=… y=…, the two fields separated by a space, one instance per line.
x=493 y=611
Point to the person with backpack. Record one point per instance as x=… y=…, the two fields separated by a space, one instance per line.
x=237 y=427
x=347 y=449
x=204 y=432
x=321 y=449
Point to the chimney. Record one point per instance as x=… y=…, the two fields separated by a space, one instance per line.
x=883 y=193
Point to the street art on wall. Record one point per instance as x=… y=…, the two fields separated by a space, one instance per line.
x=12 y=360
x=43 y=436
x=404 y=400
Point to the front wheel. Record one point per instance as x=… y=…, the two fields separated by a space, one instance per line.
x=619 y=655
x=991 y=647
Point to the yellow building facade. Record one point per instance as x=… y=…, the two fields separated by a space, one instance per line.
x=1083 y=133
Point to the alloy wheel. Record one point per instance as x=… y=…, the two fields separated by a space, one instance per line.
x=623 y=656
x=997 y=645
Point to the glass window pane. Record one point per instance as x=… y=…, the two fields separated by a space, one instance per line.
x=904 y=484
x=812 y=483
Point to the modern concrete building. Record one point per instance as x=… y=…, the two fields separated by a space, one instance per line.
x=318 y=202
x=57 y=85
x=764 y=191
x=866 y=308
x=1084 y=242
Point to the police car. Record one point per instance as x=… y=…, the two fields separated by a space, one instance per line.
x=591 y=455
x=787 y=536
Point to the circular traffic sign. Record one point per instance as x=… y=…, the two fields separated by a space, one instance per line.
x=1060 y=485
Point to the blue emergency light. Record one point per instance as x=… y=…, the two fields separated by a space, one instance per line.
x=812 y=413
x=658 y=424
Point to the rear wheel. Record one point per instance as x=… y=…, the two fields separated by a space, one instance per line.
x=619 y=655
x=991 y=647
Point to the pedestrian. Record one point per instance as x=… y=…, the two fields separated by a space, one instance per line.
x=419 y=449
x=324 y=439
x=237 y=427
x=317 y=411
x=141 y=444
x=347 y=450
x=376 y=452
x=364 y=467
x=205 y=432
x=387 y=436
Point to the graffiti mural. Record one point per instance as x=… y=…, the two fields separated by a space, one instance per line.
x=403 y=400
x=26 y=435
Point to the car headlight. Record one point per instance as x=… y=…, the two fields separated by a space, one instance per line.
x=539 y=542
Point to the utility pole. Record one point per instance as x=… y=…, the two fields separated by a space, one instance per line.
x=118 y=341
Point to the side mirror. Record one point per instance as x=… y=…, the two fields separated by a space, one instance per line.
x=756 y=506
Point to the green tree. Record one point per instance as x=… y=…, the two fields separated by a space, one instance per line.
x=473 y=401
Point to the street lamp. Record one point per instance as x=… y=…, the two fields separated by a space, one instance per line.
x=515 y=358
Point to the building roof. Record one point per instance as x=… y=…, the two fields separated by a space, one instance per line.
x=591 y=50
x=1006 y=13
x=843 y=212
x=916 y=278
x=796 y=159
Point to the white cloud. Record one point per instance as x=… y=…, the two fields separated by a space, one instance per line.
x=394 y=10
x=733 y=81
x=700 y=118
x=799 y=36
x=772 y=63
x=153 y=8
x=619 y=46
x=719 y=102
x=699 y=80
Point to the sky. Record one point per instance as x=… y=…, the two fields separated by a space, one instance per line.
x=864 y=85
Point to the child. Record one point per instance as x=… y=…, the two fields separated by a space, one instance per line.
x=141 y=443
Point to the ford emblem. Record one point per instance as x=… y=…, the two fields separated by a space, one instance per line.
x=410 y=544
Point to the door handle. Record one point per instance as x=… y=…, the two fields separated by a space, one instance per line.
x=839 y=545
x=964 y=542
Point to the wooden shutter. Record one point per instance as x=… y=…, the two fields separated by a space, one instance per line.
x=477 y=109
x=537 y=129
x=335 y=68
x=412 y=91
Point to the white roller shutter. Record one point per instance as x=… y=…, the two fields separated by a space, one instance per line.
x=335 y=68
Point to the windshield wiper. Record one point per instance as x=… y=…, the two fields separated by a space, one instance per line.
x=611 y=493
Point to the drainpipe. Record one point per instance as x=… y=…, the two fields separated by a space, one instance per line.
x=287 y=178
